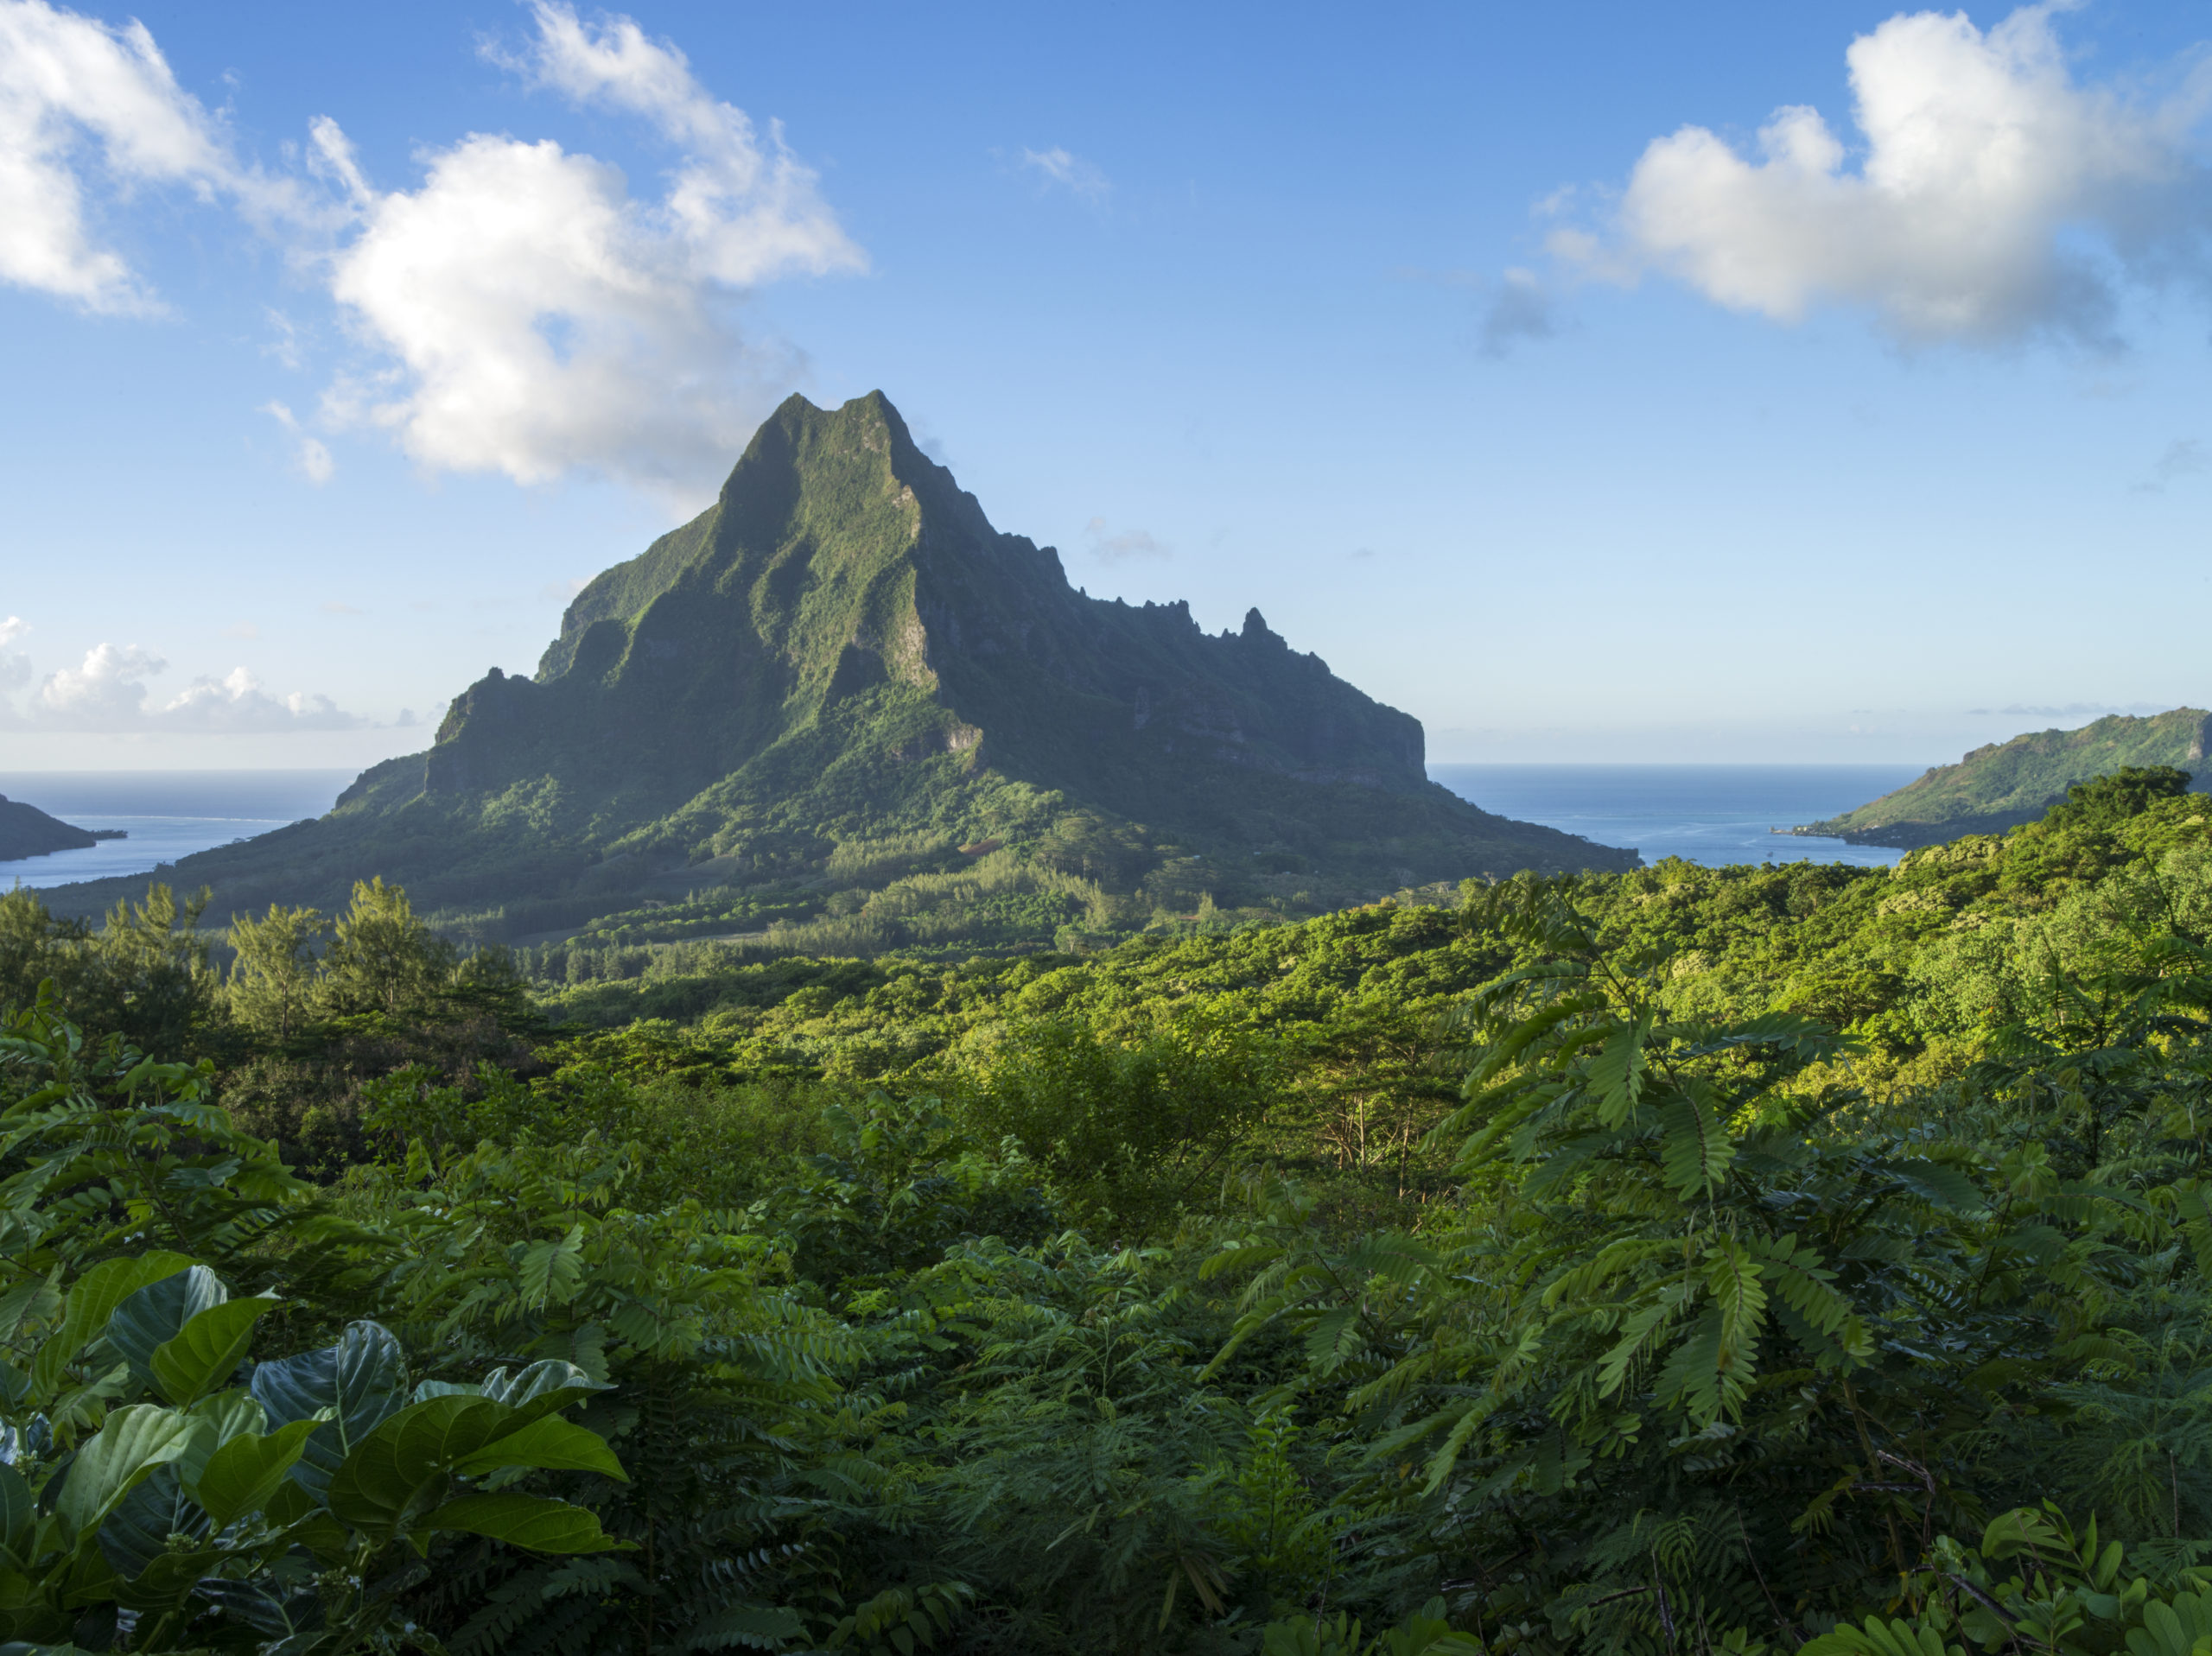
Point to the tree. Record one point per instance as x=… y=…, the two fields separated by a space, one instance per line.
x=385 y=959
x=274 y=979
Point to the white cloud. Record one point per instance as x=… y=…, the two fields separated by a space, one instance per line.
x=104 y=694
x=312 y=457
x=1995 y=198
x=1071 y=172
x=542 y=319
x=236 y=703
x=108 y=693
x=84 y=102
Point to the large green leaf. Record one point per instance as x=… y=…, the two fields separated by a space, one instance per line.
x=137 y=1531
x=391 y=1468
x=242 y=1476
x=227 y=1415
x=91 y=1304
x=208 y=1350
x=529 y=1521
x=541 y=1388
x=18 y=1515
x=549 y=1444
x=361 y=1380
x=267 y=1605
x=132 y=1442
x=157 y=1314
x=412 y=1456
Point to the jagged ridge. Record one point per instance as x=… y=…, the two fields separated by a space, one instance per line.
x=842 y=646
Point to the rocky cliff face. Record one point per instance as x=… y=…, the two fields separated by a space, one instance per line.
x=843 y=652
x=844 y=579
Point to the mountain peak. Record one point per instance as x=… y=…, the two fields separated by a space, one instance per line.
x=843 y=647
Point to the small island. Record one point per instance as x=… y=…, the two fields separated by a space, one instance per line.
x=27 y=831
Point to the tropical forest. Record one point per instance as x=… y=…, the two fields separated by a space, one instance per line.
x=1785 y=1258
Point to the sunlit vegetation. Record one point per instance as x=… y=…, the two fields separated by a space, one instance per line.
x=1748 y=1260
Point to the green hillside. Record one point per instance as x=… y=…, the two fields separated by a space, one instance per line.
x=840 y=697
x=1997 y=787
x=27 y=831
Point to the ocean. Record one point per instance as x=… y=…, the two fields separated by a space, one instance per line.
x=165 y=812
x=1709 y=814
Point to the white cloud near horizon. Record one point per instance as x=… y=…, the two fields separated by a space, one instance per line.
x=1992 y=198
x=540 y=318
x=1071 y=172
x=107 y=693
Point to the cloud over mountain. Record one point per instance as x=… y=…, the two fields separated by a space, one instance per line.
x=543 y=319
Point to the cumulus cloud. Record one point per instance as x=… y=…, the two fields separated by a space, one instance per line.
x=523 y=310
x=541 y=318
x=1520 y=310
x=89 y=111
x=1069 y=172
x=237 y=704
x=1129 y=543
x=2186 y=457
x=77 y=96
x=108 y=693
x=1993 y=198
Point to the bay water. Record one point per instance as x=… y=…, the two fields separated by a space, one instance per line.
x=1710 y=813
x=167 y=813
x=1715 y=814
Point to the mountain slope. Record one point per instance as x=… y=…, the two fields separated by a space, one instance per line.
x=1995 y=787
x=843 y=652
x=27 y=831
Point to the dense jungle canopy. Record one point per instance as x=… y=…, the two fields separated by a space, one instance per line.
x=1782 y=1258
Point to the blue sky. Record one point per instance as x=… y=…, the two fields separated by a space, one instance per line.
x=1525 y=363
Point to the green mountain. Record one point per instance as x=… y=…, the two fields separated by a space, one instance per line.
x=840 y=677
x=27 y=831
x=2005 y=784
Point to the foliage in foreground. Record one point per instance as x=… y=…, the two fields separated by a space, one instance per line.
x=1688 y=1320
